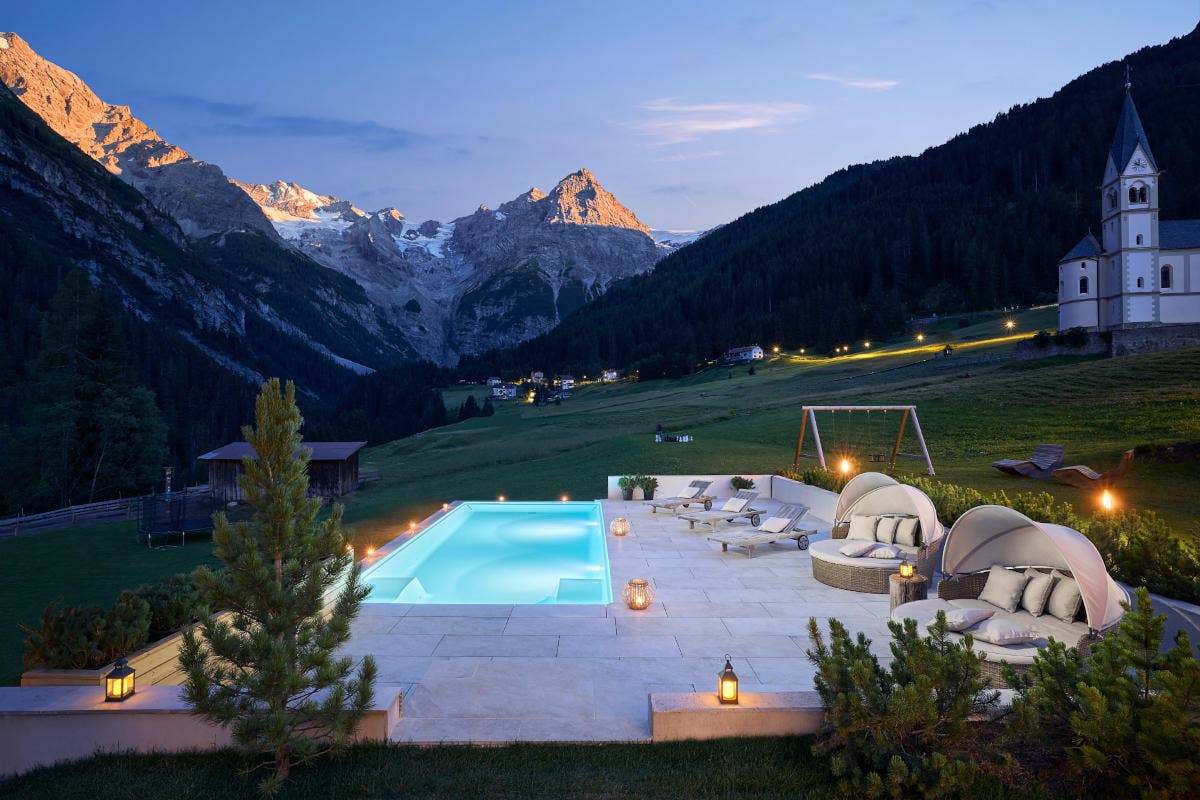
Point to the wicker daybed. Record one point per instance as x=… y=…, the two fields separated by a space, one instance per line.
x=995 y=535
x=885 y=497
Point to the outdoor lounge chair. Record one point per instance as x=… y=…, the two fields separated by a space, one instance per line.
x=779 y=526
x=726 y=513
x=1087 y=478
x=1045 y=459
x=698 y=497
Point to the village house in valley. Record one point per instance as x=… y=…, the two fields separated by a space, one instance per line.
x=736 y=354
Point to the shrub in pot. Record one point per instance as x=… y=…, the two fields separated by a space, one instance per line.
x=739 y=483
x=627 y=483
x=648 y=484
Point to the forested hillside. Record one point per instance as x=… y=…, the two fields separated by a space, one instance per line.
x=978 y=222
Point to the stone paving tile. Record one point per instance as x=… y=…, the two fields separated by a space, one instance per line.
x=502 y=645
x=715 y=610
x=746 y=646
x=539 y=611
x=596 y=646
x=442 y=625
x=559 y=626
x=432 y=610
x=671 y=626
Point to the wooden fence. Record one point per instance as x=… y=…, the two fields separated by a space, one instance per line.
x=83 y=514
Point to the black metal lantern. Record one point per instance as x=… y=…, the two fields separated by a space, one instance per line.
x=118 y=684
x=727 y=684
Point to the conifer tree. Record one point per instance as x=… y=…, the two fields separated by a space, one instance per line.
x=270 y=671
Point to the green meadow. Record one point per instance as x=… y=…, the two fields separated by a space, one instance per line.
x=976 y=406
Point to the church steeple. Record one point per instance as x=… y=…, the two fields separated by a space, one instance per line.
x=1129 y=134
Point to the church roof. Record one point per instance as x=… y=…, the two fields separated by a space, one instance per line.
x=1088 y=247
x=1129 y=135
x=1179 y=234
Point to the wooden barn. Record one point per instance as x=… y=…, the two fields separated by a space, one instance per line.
x=332 y=468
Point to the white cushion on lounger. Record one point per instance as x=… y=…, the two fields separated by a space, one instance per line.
x=689 y=491
x=1004 y=632
x=1004 y=588
x=775 y=525
x=885 y=551
x=906 y=531
x=856 y=548
x=962 y=618
x=734 y=504
x=862 y=527
x=1065 y=598
x=885 y=531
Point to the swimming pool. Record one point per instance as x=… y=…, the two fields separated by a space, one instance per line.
x=502 y=553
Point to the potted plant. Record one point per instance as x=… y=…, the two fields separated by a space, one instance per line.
x=627 y=484
x=738 y=483
x=648 y=484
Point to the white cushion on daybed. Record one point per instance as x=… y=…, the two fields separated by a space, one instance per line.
x=1046 y=626
x=828 y=550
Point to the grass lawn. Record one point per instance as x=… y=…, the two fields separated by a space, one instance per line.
x=751 y=768
x=89 y=565
x=974 y=407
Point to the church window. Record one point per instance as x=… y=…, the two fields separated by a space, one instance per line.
x=1164 y=280
x=1112 y=199
x=1083 y=285
x=1139 y=238
x=1141 y=283
x=1137 y=194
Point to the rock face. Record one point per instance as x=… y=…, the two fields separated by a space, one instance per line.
x=489 y=279
x=195 y=194
x=431 y=290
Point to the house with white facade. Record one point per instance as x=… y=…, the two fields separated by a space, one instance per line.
x=566 y=382
x=1141 y=271
x=736 y=354
x=493 y=382
x=537 y=376
x=610 y=375
x=505 y=391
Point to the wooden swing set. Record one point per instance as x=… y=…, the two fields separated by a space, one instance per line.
x=809 y=414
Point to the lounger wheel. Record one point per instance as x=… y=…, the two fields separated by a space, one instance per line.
x=708 y=505
x=755 y=520
x=802 y=542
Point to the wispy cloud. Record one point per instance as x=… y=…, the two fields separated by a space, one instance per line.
x=691 y=156
x=870 y=84
x=251 y=122
x=674 y=122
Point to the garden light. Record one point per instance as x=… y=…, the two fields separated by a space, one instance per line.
x=638 y=594
x=118 y=684
x=727 y=684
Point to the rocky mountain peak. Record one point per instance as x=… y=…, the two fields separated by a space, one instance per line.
x=196 y=194
x=579 y=199
x=286 y=198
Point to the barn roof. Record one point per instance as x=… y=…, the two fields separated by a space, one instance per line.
x=321 y=451
x=1088 y=247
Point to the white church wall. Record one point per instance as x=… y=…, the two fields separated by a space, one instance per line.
x=1179 y=308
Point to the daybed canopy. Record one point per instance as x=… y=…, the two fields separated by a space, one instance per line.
x=898 y=498
x=988 y=535
x=855 y=488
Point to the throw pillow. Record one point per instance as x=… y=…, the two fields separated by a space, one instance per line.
x=908 y=531
x=775 y=525
x=689 y=491
x=885 y=530
x=734 y=504
x=1065 y=600
x=857 y=548
x=862 y=527
x=1003 y=632
x=883 y=551
x=962 y=618
x=1037 y=591
x=1004 y=588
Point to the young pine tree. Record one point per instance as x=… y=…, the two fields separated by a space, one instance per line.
x=269 y=670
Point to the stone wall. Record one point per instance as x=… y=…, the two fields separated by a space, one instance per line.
x=1153 y=339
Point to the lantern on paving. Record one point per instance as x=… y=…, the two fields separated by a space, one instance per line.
x=119 y=684
x=619 y=527
x=638 y=594
x=727 y=684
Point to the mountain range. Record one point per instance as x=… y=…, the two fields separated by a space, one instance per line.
x=377 y=289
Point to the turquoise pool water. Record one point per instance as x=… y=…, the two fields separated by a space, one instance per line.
x=501 y=553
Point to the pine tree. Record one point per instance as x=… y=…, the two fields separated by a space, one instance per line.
x=270 y=670
x=469 y=408
x=488 y=408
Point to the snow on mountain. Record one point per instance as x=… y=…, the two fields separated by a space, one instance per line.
x=669 y=240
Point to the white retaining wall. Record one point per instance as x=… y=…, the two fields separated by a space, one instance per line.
x=821 y=502
x=48 y=724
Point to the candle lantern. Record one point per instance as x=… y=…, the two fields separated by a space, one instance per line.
x=619 y=527
x=906 y=569
x=118 y=684
x=727 y=684
x=638 y=594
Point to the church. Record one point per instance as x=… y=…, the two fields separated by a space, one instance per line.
x=1143 y=271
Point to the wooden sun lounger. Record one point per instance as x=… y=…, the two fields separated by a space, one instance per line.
x=1045 y=459
x=1085 y=477
x=752 y=538
x=717 y=516
x=676 y=503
